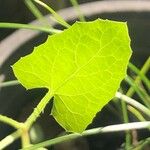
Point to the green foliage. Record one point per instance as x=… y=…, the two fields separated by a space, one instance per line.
x=82 y=68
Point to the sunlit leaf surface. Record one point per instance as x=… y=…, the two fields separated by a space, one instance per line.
x=82 y=67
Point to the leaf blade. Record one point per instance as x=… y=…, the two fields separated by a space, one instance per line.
x=82 y=66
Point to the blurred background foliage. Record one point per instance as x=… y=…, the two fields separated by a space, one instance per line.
x=16 y=11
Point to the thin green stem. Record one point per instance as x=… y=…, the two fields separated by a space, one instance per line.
x=10 y=139
x=134 y=103
x=25 y=139
x=144 y=70
x=11 y=122
x=141 y=144
x=136 y=113
x=35 y=11
x=57 y=16
x=141 y=75
x=37 y=111
x=130 y=92
x=77 y=7
x=126 y=120
x=111 y=128
x=9 y=83
x=28 y=26
x=141 y=93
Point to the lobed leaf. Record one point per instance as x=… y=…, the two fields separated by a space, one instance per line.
x=82 y=67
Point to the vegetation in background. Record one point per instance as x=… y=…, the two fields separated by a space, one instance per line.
x=82 y=72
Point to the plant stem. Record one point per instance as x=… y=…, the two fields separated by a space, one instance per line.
x=130 y=92
x=76 y=6
x=141 y=75
x=9 y=83
x=111 y=128
x=57 y=16
x=37 y=111
x=11 y=122
x=126 y=120
x=25 y=139
x=144 y=70
x=141 y=93
x=136 y=113
x=133 y=103
x=142 y=144
x=28 y=26
x=10 y=139
x=35 y=11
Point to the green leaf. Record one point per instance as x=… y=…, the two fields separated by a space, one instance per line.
x=82 y=67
